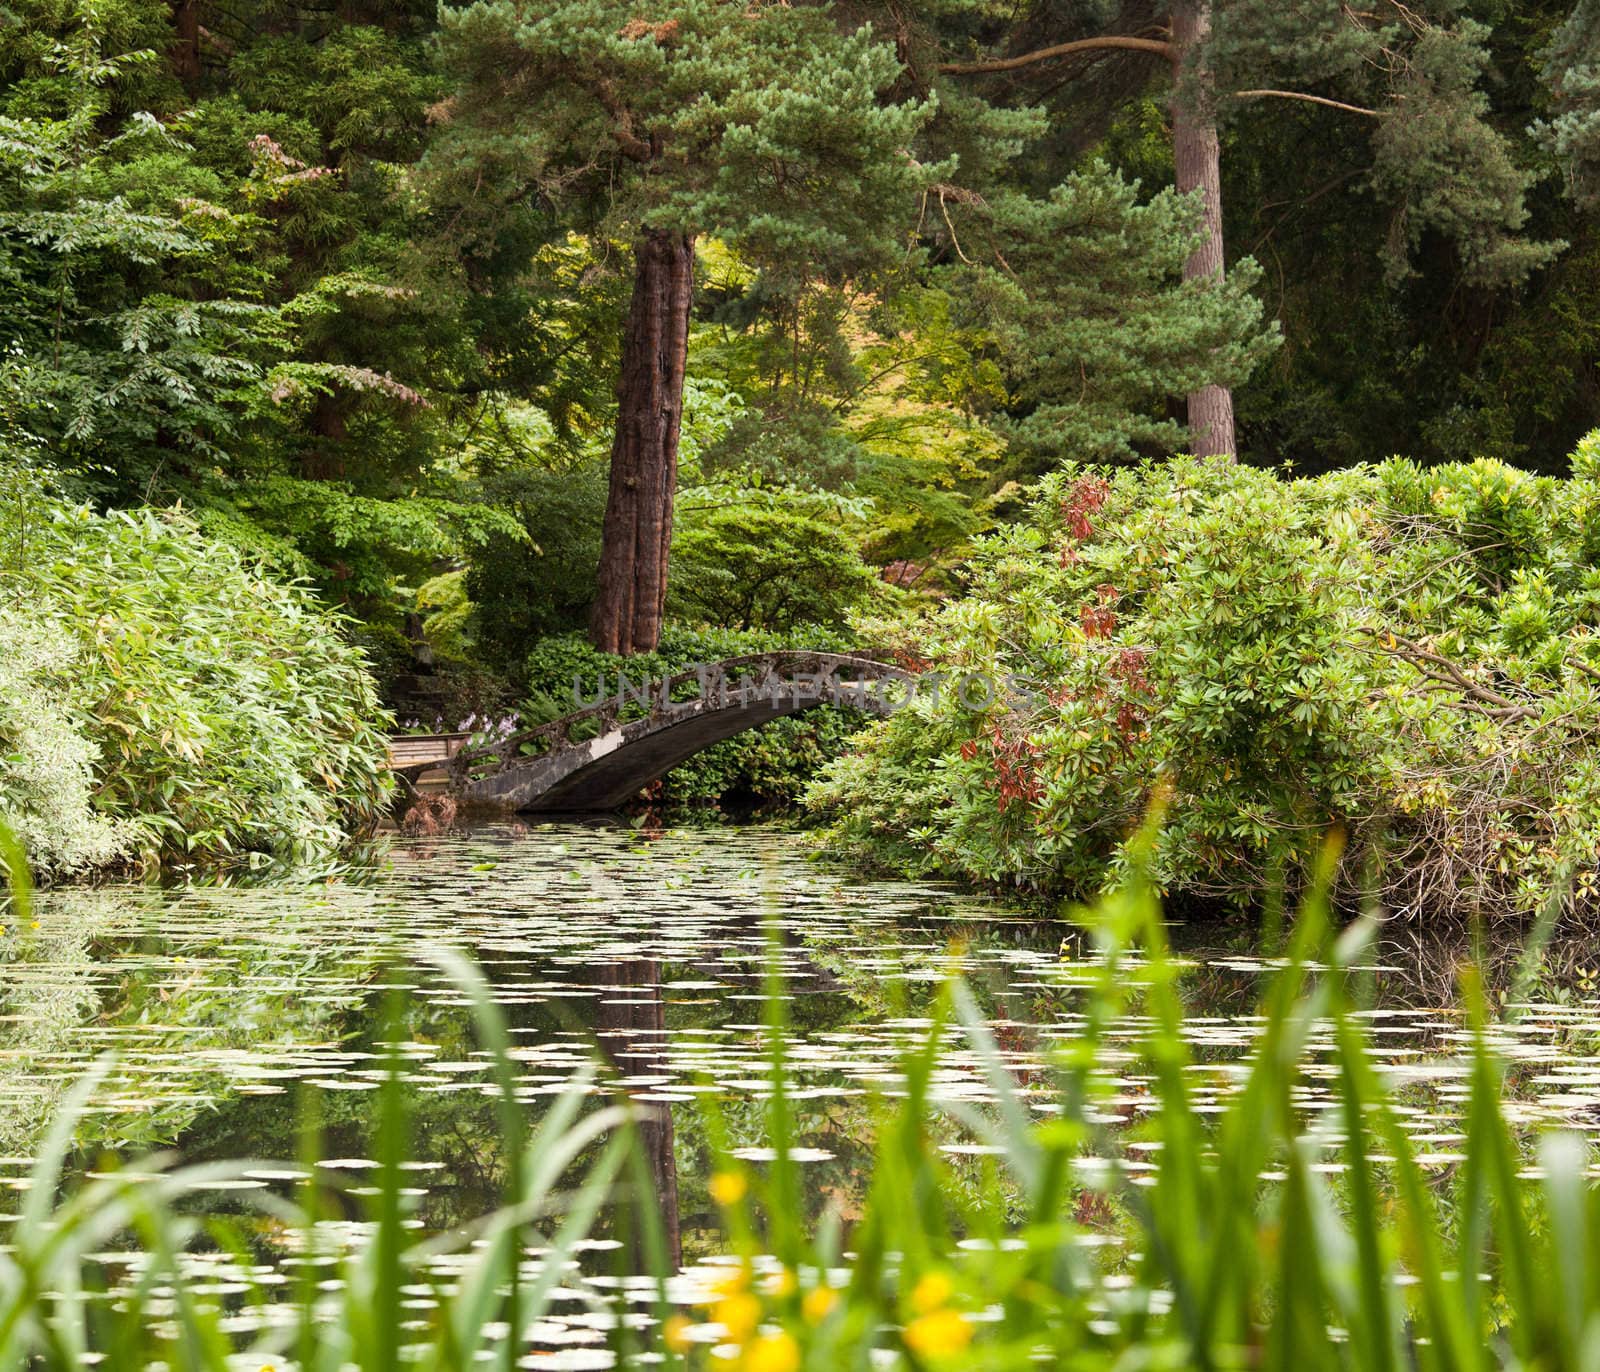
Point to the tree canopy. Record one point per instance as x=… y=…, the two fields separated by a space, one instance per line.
x=385 y=294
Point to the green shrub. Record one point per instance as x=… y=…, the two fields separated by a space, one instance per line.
x=167 y=705
x=743 y=557
x=447 y=613
x=768 y=766
x=526 y=589
x=389 y=654
x=1407 y=653
x=47 y=768
x=758 y=559
x=457 y=694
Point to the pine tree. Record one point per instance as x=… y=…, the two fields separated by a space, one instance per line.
x=764 y=124
x=1572 y=67
x=1411 y=73
x=1097 y=323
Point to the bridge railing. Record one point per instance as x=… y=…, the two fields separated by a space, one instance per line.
x=836 y=675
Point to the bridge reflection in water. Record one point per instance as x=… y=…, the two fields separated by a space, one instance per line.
x=547 y=769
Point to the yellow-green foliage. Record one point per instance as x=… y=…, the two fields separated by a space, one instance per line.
x=165 y=704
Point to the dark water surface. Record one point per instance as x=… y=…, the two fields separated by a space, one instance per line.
x=645 y=954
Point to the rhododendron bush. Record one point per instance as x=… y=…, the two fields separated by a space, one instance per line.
x=1406 y=655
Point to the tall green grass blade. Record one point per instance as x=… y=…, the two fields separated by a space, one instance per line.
x=1451 y=1343
x=1374 y=1323
x=1014 y=1131
x=309 y=1149
x=380 y=1350
x=783 y=1176
x=491 y=1029
x=1562 y=1157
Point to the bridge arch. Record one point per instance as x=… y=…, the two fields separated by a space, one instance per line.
x=605 y=771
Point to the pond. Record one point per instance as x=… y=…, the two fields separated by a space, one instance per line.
x=646 y=952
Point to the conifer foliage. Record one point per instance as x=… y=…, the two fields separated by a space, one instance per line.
x=1409 y=77
x=1572 y=67
x=766 y=125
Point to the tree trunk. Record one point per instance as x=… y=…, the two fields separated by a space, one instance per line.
x=185 y=51
x=324 y=461
x=1197 y=157
x=637 y=535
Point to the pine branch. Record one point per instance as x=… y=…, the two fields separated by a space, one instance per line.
x=1155 y=46
x=1312 y=99
x=631 y=145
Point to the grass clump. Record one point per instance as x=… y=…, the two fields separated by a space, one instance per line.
x=1099 y=1233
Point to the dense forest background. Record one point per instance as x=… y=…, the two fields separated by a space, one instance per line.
x=383 y=294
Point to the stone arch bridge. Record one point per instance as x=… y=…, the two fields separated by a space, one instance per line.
x=619 y=751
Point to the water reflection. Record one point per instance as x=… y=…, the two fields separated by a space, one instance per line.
x=631 y=1024
x=226 y=1007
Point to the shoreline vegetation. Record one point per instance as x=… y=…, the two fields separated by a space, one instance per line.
x=342 y=377
x=169 y=708
x=1405 y=654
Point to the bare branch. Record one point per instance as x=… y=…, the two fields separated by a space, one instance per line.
x=1443 y=674
x=1155 y=46
x=1311 y=99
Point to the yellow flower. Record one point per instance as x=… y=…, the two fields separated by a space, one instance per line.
x=818 y=1303
x=931 y=1292
x=782 y=1283
x=675 y=1333
x=939 y=1333
x=773 y=1353
x=739 y=1315
x=728 y=1188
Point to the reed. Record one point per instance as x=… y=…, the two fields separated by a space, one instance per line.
x=1263 y=1236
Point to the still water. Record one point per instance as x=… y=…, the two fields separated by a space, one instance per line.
x=644 y=952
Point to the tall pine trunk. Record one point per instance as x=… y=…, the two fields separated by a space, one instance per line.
x=184 y=53
x=637 y=535
x=1197 y=156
